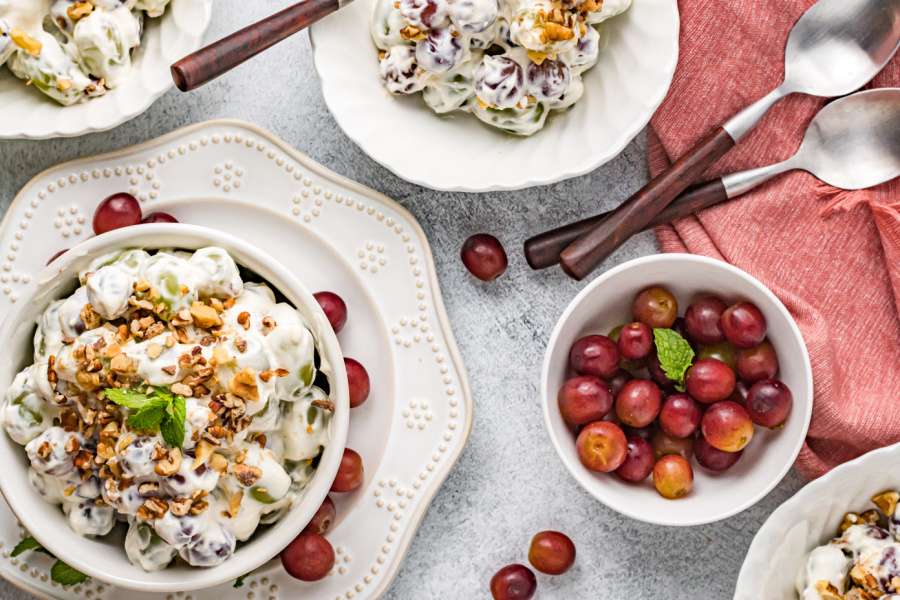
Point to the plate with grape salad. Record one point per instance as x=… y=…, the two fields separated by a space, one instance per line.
x=338 y=237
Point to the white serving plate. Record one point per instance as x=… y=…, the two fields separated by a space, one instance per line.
x=459 y=153
x=809 y=519
x=29 y=114
x=336 y=235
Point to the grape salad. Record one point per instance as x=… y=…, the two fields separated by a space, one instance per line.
x=73 y=50
x=508 y=62
x=170 y=395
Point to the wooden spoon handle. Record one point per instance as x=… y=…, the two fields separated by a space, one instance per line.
x=583 y=255
x=543 y=250
x=218 y=58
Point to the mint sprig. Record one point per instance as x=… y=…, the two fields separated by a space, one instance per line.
x=60 y=572
x=152 y=409
x=674 y=353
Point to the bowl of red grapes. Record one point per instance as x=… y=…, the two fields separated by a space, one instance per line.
x=677 y=389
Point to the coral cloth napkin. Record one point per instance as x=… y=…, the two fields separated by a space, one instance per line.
x=832 y=257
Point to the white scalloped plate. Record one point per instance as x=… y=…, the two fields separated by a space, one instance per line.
x=28 y=114
x=811 y=518
x=338 y=235
x=457 y=152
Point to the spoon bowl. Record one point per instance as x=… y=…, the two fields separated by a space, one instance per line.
x=836 y=47
x=854 y=143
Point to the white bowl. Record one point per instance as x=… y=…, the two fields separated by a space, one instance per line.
x=29 y=114
x=459 y=153
x=809 y=519
x=104 y=558
x=606 y=303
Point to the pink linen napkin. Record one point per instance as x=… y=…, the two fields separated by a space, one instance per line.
x=832 y=257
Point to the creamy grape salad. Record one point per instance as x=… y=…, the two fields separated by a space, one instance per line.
x=863 y=562
x=508 y=62
x=169 y=394
x=73 y=50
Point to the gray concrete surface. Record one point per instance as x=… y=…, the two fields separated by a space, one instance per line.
x=509 y=482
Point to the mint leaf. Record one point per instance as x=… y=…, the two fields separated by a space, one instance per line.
x=65 y=575
x=674 y=353
x=25 y=545
x=150 y=416
x=130 y=398
x=172 y=425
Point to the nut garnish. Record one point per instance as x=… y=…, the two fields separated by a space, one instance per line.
x=887 y=502
x=243 y=385
x=247 y=475
x=170 y=464
x=827 y=590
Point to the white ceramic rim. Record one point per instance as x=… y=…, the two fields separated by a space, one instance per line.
x=416 y=517
x=615 y=147
x=279 y=535
x=673 y=257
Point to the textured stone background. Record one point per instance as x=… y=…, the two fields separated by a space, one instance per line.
x=509 y=482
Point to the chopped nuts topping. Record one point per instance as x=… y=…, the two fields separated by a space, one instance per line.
x=247 y=475
x=170 y=464
x=886 y=502
x=243 y=385
x=205 y=317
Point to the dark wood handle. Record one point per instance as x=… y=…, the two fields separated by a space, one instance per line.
x=585 y=253
x=543 y=250
x=218 y=58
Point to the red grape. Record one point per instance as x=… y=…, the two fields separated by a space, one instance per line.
x=758 y=362
x=551 y=552
x=664 y=444
x=655 y=307
x=584 y=399
x=637 y=405
x=635 y=341
x=601 y=446
x=740 y=393
x=744 y=325
x=57 y=255
x=350 y=473
x=309 y=557
x=639 y=460
x=709 y=380
x=358 y=379
x=769 y=403
x=618 y=381
x=727 y=426
x=722 y=351
x=334 y=308
x=159 y=217
x=513 y=582
x=701 y=320
x=673 y=476
x=712 y=458
x=594 y=355
x=119 y=210
x=657 y=373
x=680 y=416
x=484 y=256
x=324 y=517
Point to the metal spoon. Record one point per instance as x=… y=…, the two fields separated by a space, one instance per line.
x=835 y=48
x=853 y=143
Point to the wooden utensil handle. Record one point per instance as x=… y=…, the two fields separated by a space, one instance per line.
x=580 y=257
x=218 y=58
x=543 y=250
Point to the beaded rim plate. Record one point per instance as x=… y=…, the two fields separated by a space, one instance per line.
x=335 y=234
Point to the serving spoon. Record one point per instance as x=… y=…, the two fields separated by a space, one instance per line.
x=836 y=47
x=852 y=143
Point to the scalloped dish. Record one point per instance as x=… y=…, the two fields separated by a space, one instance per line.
x=76 y=66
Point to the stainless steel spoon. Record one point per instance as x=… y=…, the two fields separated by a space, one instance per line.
x=835 y=48
x=852 y=143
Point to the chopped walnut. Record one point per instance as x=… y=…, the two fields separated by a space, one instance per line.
x=182 y=390
x=170 y=464
x=205 y=317
x=247 y=475
x=180 y=506
x=886 y=502
x=243 y=385
x=90 y=317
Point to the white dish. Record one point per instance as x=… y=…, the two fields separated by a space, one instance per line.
x=334 y=234
x=457 y=153
x=104 y=557
x=605 y=303
x=809 y=519
x=29 y=114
